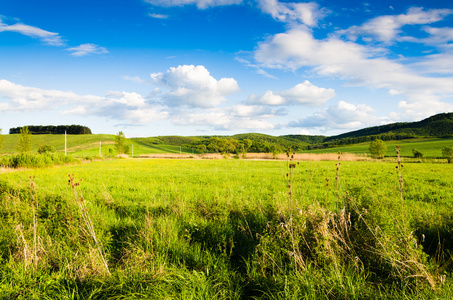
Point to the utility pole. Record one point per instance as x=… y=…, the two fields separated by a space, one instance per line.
x=65 y=143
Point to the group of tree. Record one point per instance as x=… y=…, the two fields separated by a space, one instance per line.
x=50 y=129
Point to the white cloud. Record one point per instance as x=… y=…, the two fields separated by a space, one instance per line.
x=258 y=69
x=135 y=79
x=438 y=36
x=87 y=49
x=128 y=99
x=441 y=63
x=222 y=120
x=342 y=115
x=388 y=28
x=47 y=37
x=124 y=106
x=303 y=93
x=269 y=98
x=250 y=111
x=23 y=98
x=193 y=86
x=357 y=64
x=307 y=13
x=201 y=4
x=158 y=16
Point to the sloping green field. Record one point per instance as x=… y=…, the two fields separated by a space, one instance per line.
x=88 y=145
x=429 y=147
x=104 y=144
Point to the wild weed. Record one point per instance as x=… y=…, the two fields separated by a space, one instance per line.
x=341 y=240
x=78 y=197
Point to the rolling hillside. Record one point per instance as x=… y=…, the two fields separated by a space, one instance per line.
x=428 y=135
x=440 y=125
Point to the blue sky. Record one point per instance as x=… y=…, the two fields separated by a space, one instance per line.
x=205 y=67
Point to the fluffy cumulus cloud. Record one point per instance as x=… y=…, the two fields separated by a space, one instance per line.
x=47 y=37
x=388 y=28
x=201 y=4
x=303 y=93
x=15 y=97
x=219 y=119
x=193 y=86
x=87 y=49
x=357 y=64
x=121 y=106
x=307 y=13
x=342 y=115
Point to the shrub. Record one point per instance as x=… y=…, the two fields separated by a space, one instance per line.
x=447 y=152
x=27 y=160
x=417 y=153
x=46 y=149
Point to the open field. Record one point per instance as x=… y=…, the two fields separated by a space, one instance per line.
x=88 y=145
x=431 y=147
x=227 y=229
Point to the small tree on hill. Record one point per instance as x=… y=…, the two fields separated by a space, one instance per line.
x=447 y=152
x=417 y=153
x=24 y=140
x=378 y=148
x=120 y=143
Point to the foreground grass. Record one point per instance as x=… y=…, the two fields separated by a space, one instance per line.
x=227 y=229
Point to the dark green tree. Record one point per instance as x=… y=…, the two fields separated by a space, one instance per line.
x=447 y=152
x=25 y=140
x=417 y=153
x=378 y=148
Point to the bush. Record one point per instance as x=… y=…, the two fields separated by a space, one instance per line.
x=417 y=153
x=447 y=152
x=46 y=149
x=26 y=160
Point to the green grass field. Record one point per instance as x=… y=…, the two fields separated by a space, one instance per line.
x=429 y=147
x=227 y=229
x=88 y=145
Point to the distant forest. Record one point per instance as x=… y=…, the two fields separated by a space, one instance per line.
x=50 y=129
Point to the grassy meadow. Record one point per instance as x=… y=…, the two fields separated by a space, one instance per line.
x=227 y=229
x=430 y=147
x=87 y=145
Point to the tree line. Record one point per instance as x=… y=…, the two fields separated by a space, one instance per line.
x=50 y=129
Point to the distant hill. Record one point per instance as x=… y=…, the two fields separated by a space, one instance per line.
x=437 y=126
x=440 y=125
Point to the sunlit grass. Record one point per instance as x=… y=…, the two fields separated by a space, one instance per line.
x=216 y=229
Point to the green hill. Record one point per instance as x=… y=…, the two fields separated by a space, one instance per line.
x=435 y=129
x=440 y=125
